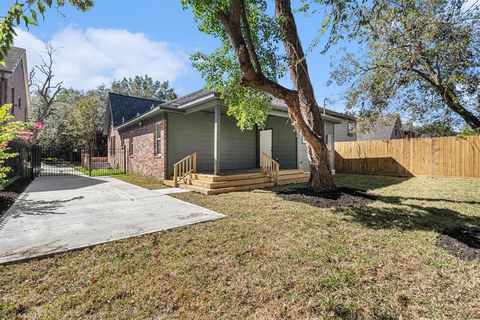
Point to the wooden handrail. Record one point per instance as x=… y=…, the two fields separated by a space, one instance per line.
x=184 y=167
x=270 y=167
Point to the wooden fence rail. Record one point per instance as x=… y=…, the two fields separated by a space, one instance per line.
x=436 y=157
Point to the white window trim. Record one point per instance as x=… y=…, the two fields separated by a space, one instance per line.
x=158 y=137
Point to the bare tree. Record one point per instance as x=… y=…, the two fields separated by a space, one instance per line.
x=43 y=84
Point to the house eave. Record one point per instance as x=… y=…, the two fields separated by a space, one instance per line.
x=284 y=114
x=157 y=110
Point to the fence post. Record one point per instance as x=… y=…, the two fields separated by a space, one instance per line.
x=124 y=159
x=90 y=160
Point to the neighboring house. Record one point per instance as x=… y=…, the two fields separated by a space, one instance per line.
x=157 y=134
x=384 y=128
x=14 y=83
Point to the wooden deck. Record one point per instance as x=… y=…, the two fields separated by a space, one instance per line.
x=237 y=180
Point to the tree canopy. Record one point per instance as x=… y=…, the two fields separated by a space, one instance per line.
x=420 y=57
x=144 y=87
x=27 y=13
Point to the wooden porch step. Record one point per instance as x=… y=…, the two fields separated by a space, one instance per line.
x=293 y=176
x=208 y=191
x=227 y=183
x=211 y=184
x=292 y=181
x=232 y=177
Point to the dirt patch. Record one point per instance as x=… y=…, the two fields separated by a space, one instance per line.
x=11 y=193
x=340 y=197
x=462 y=242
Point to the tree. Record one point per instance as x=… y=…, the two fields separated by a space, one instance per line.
x=144 y=87
x=27 y=12
x=83 y=120
x=44 y=89
x=247 y=67
x=421 y=57
x=58 y=134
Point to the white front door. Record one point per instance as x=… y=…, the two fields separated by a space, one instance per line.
x=265 y=143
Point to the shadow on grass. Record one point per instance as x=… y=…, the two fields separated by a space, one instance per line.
x=458 y=233
x=367 y=182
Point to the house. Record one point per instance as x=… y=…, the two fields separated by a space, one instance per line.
x=14 y=83
x=191 y=141
x=386 y=127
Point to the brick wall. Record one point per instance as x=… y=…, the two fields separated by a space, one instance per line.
x=143 y=159
x=17 y=81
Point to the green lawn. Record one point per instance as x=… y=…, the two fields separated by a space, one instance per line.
x=272 y=259
x=146 y=182
x=100 y=172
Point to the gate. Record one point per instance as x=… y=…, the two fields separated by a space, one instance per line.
x=76 y=162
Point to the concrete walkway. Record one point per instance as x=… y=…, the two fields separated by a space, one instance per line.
x=64 y=213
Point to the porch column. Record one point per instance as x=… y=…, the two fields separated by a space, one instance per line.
x=216 y=142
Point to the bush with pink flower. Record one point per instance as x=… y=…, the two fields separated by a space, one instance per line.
x=39 y=125
x=9 y=131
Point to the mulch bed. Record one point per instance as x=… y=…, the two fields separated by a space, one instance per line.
x=11 y=193
x=340 y=197
x=462 y=242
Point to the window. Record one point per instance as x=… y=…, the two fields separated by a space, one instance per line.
x=350 y=129
x=112 y=151
x=329 y=141
x=13 y=101
x=158 y=139
x=130 y=145
x=19 y=102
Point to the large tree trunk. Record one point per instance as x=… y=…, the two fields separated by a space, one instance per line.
x=313 y=133
x=302 y=106
x=308 y=121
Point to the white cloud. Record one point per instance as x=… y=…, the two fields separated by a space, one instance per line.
x=87 y=58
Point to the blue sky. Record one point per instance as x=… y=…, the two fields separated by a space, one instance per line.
x=122 y=38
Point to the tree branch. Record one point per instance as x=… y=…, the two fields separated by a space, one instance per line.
x=250 y=76
x=249 y=39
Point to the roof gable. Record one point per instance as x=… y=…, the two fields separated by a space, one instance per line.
x=13 y=59
x=125 y=108
x=382 y=128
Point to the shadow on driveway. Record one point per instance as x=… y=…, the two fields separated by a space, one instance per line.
x=68 y=182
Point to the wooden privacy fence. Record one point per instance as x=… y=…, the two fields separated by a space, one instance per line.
x=437 y=157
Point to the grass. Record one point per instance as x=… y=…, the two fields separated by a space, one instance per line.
x=146 y=182
x=100 y=172
x=271 y=259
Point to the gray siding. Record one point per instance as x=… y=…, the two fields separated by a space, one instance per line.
x=284 y=141
x=188 y=133
x=341 y=132
x=330 y=129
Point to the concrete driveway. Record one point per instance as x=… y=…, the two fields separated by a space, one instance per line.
x=65 y=213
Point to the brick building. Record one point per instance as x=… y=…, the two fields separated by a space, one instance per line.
x=14 y=83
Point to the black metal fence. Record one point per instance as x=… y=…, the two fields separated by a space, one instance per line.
x=97 y=162
x=20 y=165
x=35 y=161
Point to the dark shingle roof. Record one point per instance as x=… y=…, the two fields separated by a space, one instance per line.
x=181 y=101
x=125 y=108
x=12 y=59
x=280 y=105
x=381 y=129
